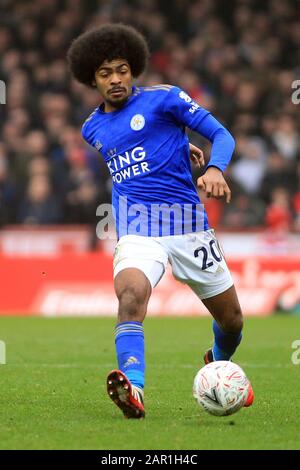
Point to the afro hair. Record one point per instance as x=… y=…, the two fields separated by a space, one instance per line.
x=112 y=41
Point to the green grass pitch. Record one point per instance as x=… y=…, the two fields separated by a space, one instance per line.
x=53 y=386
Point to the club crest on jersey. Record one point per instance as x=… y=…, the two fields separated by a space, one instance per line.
x=137 y=122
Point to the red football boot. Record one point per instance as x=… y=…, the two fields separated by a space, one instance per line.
x=250 y=397
x=126 y=396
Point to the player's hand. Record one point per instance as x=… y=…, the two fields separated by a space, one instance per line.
x=214 y=184
x=197 y=156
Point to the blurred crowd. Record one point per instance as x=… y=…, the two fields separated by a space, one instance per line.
x=238 y=59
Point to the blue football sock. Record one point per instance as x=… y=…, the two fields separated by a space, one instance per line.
x=130 y=351
x=225 y=343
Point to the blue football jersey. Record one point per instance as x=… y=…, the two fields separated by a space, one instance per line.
x=147 y=153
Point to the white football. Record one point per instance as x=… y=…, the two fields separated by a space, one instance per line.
x=221 y=388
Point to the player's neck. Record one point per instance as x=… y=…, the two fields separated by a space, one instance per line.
x=110 y=107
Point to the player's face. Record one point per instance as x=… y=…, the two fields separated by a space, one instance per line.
x=114 y=82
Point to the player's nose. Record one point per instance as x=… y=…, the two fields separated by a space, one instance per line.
x=115 y=79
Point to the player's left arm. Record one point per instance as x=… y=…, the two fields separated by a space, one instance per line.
x=214 y=184
x=213 y=181
x=186 y=112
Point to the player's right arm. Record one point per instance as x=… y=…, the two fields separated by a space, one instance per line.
x=196 y=156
